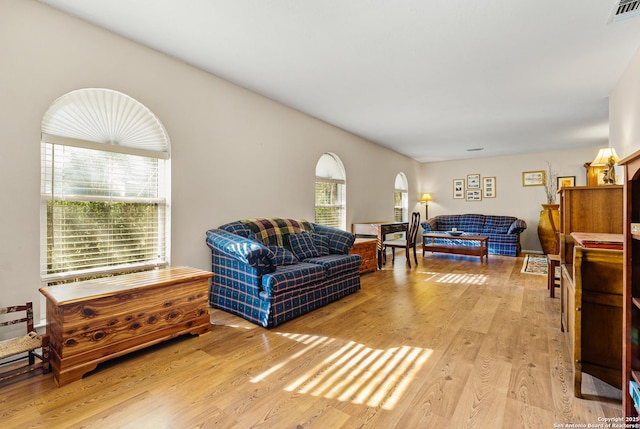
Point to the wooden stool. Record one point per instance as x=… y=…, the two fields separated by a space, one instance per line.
x=553 y=261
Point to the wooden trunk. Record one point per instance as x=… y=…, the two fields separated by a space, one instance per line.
x=93 y=321
x=366 y=248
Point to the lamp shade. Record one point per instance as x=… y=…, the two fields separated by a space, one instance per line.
x=425 y=198
x=603 y=156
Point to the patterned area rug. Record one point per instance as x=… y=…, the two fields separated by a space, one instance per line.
x=535 y=265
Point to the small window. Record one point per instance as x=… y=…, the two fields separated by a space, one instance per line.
x=401 y=199
x=330 y=192
x=104 y=187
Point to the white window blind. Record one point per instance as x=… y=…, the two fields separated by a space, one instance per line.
x=105 y=211
x=330 y=192
x=105 y=186
x=401 y=199
x=330 y=203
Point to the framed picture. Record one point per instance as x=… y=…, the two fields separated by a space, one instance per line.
x=533 y=178
x=474 y=195
x=566 y=181
x=473 y=181
x=458 y=188
x=489 y=187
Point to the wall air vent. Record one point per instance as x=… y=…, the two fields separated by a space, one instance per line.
x=624 y=9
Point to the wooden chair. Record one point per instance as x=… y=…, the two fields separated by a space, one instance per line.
x=409 y=242
x=13 y=349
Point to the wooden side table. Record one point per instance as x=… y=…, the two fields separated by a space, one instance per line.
x=367 y=249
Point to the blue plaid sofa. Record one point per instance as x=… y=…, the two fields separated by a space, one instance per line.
x=503 y=231
x=271 y=270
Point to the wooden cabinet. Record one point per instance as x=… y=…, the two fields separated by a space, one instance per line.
x=584 y=209
x=631 y=284
x=587 y=209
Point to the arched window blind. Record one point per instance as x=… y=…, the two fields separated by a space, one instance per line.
x=401 y=198
x=104 y=186
x=330 y=193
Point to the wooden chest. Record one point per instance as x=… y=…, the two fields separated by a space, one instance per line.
x=93 y=321
x=367 y=249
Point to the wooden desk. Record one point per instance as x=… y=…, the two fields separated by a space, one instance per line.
x=594 y=240
x=93 y=321
x=378 y=230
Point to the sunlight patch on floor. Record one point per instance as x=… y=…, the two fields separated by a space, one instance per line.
x=355 y=372
x=462 y=278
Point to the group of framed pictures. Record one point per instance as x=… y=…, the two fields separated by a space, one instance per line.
x=538 y=178
x=475 y=188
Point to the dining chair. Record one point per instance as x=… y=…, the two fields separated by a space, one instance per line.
x=409 y=242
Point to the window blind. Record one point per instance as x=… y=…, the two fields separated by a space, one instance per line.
x=105 y=211
x=330 y=203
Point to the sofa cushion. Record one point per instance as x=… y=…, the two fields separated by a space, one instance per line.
x=339 y=241
x=276 y=230
x=336 y=264
x=448 y=222
x=289 y=277
x=472 y=223
x=303 y=246
x=497 y=224
x=281 y=256
x=322 y=243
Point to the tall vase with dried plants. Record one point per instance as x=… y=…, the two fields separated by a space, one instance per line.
x=549 y=222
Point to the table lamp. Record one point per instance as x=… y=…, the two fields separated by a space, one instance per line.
x=607 y=157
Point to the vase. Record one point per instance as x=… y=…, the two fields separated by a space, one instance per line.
x=548 y=227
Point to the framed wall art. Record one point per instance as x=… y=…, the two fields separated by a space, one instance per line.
x=473 y=181
x=566 y=181
x=458 y=188
x=489 y=187
x=533 y=178
x=474 y=195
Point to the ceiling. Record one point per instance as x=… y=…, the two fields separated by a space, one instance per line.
x=431 y=79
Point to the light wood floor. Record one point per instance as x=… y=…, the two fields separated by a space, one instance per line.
x=450 y=344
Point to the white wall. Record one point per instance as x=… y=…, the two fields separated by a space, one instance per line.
x=512 y=199
x=234 y=154
x=624 y=110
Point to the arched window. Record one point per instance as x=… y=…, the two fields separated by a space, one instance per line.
x=104 y=186
x=401 y=199
x=331 y=192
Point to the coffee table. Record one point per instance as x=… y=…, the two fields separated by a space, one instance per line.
x=482 y=250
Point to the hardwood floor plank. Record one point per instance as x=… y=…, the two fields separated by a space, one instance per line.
x=451 y=343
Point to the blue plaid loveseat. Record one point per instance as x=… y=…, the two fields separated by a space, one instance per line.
x=271 y=270
x=503 y=231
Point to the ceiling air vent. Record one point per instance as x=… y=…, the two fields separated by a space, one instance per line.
x=624 y=9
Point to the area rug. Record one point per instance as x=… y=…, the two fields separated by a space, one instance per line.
x=535 y=265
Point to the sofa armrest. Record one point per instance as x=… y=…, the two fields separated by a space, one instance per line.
x=517 y=227
x=245 y=250
x=339 y=241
